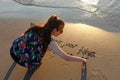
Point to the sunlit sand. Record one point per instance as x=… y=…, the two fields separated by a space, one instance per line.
x=103 y=64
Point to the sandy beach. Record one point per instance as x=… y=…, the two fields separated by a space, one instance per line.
x=101 y=44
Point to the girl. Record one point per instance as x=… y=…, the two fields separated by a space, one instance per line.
x=29 y=49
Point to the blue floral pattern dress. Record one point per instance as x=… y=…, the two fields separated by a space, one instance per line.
x=27 y=50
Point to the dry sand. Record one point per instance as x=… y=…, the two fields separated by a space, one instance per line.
x=101 y=40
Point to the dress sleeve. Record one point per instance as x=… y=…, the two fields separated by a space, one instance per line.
x=55 y=47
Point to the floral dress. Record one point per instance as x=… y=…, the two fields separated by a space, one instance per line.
x=27 y=50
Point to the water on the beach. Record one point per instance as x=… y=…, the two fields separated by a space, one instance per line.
x=70 y=10
x=108 y=10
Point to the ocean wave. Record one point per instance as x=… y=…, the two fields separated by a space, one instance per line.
x=103 y=9
x=72 y=4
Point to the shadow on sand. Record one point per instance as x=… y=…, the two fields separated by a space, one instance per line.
x=10 y=71
x=30 y=72
x=84 y=72
x=27 y=76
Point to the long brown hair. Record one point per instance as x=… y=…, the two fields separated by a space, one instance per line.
x=46 y=29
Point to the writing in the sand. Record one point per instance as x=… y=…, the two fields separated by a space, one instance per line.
x=82 y=51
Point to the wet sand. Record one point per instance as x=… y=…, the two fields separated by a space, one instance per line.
x=99 y=44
